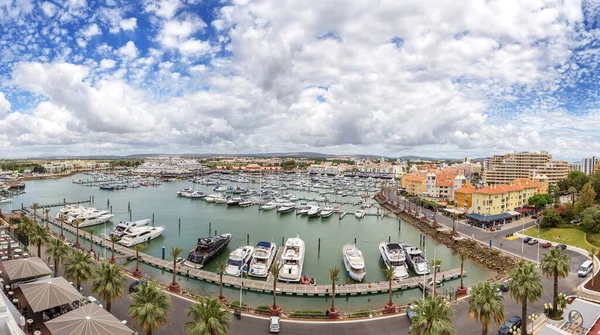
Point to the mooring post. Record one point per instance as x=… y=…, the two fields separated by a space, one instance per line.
x=111 y=209
x=282 y=238
x=152 y=219
x=130 y=216
x=179 y=223
x=107 y=202
x=209 y=226
x=215 y=232
x=247 y=239
x=355 y=240
x=128 y=205
x=319 y=243
x=163 y=252
x=389 y=239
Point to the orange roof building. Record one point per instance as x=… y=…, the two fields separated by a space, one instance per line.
x=463 y=197
x=498 y=199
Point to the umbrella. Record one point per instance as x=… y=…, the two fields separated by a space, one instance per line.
x=88 y=320
x=48 y=293
x=26 y=268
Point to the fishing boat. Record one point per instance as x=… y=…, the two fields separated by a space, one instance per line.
x=292 y=260
x=354 y=262
x=208 y=247
x=264 y=254
x=416 y=260
x=139 y=235
x=326 y=212
x=238 y=259
x=393 y=255
x=120 y=229
x=359 y=214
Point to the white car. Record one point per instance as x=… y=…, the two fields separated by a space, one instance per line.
x=274 y=324
x=94 y=301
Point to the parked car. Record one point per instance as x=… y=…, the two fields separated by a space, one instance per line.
x=94 y=301
x=274 y=324
x=504 y=286
x=561 y=246
x=134 y=286
x=546 y=245
x=527 y=239
x=508 y=324
x=576 y=221
x=532 y=242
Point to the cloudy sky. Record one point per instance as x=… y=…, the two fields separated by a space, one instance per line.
x=424 y=77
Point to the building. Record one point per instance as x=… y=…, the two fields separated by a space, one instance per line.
x=503 y=198
x=463 y=196
x=501 y=169
x=587 y=164
x=414 y=184
x=574 y=167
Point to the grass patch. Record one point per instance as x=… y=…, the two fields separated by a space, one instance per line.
x=236 y=304
x=308 y=314
x=569 y=236
x=360 y=314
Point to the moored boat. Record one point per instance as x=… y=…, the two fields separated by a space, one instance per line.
x=286 y=207
x=292 y=260
x=208 y=247
x=326 y=212
x=120 y=229
x=238 y=259
x=416 y=260
x=264 y=254
x=359 y=214
x=139 y=235
x=354 y=262
x=393 y=255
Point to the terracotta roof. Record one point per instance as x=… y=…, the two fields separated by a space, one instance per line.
x=444 y=183
x=467 y=189
x=504 y=188
x=411 y=177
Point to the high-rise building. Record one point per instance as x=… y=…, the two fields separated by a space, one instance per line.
x=587 y=164
x=502 y=169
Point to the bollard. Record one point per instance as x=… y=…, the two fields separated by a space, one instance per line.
x=130 y=216
x=163 y=252
x=21 y=206
x=64 y=200
x=90 y=198
x=319 y=243
x=152 y=219
x=111 y=209
x=282 y=238
x=209 y=226
x=93 y=199
x=389 y=239
x=128 y=206
x=107 y=202
x=215 y=232
x=247 y=238
x=355 y=240
x=179 y=223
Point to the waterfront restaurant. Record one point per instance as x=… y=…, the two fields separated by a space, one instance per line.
x=489 y=221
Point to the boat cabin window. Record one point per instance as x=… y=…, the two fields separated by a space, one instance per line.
x=237 y=263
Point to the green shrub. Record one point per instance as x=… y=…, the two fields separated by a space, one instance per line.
x=360 y=314
x=495 y=252
x=307 y=314
x=236 y=304
x=262 y=310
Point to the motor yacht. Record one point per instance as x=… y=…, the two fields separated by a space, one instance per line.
x=314 y=212
x=208 y=247
x=326 y=212
x=268 y=206
x=359 y=214
x=286 y=207
x=238 y=259
x=139 y=235
x=89 y=217
x=121 y=228
x=264 y=254
x=303 y=210
x=234 y=201
x=197 y=195
x=184 y=192
x=354 y=262
x=245 y=203
x=221 y=200
x=292 y=260
x=220 y=189
x=4 y=200
x=393 y=255
x=416 y=260
x=211 y=197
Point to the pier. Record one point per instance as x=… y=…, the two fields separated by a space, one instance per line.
x=265 y=286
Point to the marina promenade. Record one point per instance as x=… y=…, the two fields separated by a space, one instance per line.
x=265 y=286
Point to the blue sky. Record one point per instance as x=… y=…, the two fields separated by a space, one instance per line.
x=431 y=78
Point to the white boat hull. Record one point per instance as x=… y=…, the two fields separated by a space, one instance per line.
x=130 y=242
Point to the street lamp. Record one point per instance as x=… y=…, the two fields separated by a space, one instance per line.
x=515 y=330
x=532 y=318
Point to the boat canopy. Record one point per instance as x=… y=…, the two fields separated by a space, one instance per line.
x=264 y=244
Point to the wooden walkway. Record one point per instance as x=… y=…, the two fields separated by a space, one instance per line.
x=61 y=204
x=265 y=286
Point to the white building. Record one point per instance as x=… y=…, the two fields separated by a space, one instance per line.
x=587 y=164
x=168 y=166
x=57 y=167
x=443 y=188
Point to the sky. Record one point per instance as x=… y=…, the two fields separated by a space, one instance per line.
x=429 y=78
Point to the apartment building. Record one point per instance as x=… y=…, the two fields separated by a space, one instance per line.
x=463 y=196
x=503 y=198
x=414 y=184
x=587 y=164
x=501 y=169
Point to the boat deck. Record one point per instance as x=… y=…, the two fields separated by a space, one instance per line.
x=261 y=285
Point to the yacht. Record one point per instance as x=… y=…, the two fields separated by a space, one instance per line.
x=208 y=247
x=264 y=254
x=139 y=235
x=69 y=210
x=238 y=259
x=354 y=262
x=184 y=192
x=245 y=203
x=268 y=206
x=4 y=200
x=326 y=212
x=304 y=209
x=197 y=195
x=393 y=255
x=292 y=260
x=120 y=229
x=234 y=201
x=220 y=189
x=286 y=207
x=221 y=200
x=359 y=214
x=314 y=211
x=211 y=197
x=416 y=260
x=89 y=217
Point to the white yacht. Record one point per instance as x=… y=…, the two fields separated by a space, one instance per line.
x=184 y=192
x=4 y=200
x=220 y=200
x=120 y=229
x=68 y=210
x=268 y=206
x=286 y=207
x=326 y=212
x=90 y=217
x=238 y=259
x=303 y=210
x=292 y=260
x=314 y=211
x=211 y=197
x=197 y=195
x=354 y=262
x=359 y=214
x=139 y=235
x=393 y=255
x=220 y=189
x=416 y=260
x=264 y=254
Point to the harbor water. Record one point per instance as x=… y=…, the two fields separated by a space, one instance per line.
x=187 y=219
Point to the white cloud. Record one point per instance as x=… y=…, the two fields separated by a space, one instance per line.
x=91 y=31
x=107 y=63
x=163 y=8
x=128 y=50
x=4 y=106
x=49 y=8
x=128 y=24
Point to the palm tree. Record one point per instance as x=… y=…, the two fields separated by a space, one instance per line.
x=25 y=229
x=35 y=206
x=38 y=237
x=108 y=282
x=525 y=287
x=175 y=252
x=76 y=223
x=486 y=306
x=333 y=275
x=433 y=314
x=58 y=250
x=61 y=218
x=388 y=271
x=92 y=239
x=137 y=249
x=462 y=255
x=221 y=269
x=46 y=211
x=593 y=252
x=150 y=307
x=113 y=239
x=208 y=318
x=78 y=266
x=556 y=264
x=435 y=264
x=275 y=270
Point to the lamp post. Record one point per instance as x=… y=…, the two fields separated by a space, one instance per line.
x=532 y=318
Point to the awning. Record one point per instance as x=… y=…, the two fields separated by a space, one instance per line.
x=48 y=293
x=525 y=210
x=24 y=268
x=489 y=218
x=513 y=213
x=89 y=319
x=452 y=210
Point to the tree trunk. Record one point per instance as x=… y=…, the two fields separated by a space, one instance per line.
x=221 y=285
x=149 y=332
x=434 y=278
x=274 y=291
x=174 y=272
x=78 y=284
x=333 y=296
x=56 y=266
x=462 y=263
x=77 y=237
x=108 y=305
x=524 y=317
x=137 y=261
x=39 y=245
x=113 y=251
x=484 y=330
x=555 y=297
x=390 y=293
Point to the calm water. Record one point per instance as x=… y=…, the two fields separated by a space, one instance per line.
x=196 y=215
